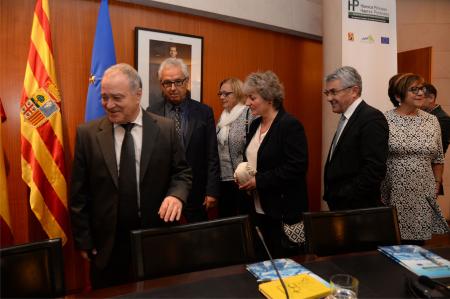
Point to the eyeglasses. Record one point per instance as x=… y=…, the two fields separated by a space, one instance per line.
x=416 y=89
x=334 y=92
x=224 y=93
x=168 y=83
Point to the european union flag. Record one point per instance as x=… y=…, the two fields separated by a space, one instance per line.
x=103 y=56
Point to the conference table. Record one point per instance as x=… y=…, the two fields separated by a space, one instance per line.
x=379 y=277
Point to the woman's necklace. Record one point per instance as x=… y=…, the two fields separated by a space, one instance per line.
x=265 y=125
x=260 y=135
x=263 y=130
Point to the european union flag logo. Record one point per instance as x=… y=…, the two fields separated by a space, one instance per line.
x=103 y=56
x=385 y=40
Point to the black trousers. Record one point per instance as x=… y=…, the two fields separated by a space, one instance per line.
x=119 y=268
x=232 y=201
x=197 y=214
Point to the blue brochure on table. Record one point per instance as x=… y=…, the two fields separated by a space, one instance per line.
x=264 y=271
x=418 y=260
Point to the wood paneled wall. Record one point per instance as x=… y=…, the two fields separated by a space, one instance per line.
x=229 y=50
x=417 y=61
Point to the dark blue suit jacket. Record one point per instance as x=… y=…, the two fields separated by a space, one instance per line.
x=201 y=151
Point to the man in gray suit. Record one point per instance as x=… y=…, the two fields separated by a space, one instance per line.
x=356 y=162
x=129 y=172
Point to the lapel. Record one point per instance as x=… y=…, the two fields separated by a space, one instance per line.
x=191 y=113
x=150 y=132
x=347 y=128
x=105 y=138
x=252 y=131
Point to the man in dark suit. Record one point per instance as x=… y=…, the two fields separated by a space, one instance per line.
x=194 y=123
x=432 y=107
x=356 y=162
x=129 y=172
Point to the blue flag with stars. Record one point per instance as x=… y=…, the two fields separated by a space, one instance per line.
x=103 y=56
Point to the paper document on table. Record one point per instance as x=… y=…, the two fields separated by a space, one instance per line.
x=301 y=286
x=264 y=271
x=418 y=260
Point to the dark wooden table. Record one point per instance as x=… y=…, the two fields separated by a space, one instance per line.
x=379 y=277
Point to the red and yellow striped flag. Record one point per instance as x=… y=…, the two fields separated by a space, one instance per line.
x=6 y=236
x=43 y=168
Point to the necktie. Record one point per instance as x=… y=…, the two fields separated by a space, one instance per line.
x=177 y=119
x=338 y=133
x=128 y=209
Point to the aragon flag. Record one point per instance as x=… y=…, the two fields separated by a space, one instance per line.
x=43 y=168
x=6 y=236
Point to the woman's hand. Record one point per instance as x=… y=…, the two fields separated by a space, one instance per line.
x=250 y=185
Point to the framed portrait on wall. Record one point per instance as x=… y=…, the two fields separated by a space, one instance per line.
x=152 y=47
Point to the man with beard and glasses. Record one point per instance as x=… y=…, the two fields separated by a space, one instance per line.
x=194 y=123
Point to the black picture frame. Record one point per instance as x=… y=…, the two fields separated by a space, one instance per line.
x=154 y=46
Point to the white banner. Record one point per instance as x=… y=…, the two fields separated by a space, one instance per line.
x=369 y=44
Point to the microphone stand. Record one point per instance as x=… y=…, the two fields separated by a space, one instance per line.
x=272 y=262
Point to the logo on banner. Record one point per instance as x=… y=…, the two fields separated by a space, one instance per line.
x=351 y=36
x=385 y=40
x=368 y=39
x=352 y=4
x=365 y=10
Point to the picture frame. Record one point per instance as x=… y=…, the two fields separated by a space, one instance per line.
x=154 y=46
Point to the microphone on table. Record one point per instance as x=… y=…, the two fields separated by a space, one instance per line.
x=271 y=261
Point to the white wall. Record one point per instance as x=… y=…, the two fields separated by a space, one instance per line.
x=376 y=62
x=298 y=17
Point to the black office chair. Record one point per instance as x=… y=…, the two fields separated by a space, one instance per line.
x=191 y=247
x=33 y=270
x=329 y=233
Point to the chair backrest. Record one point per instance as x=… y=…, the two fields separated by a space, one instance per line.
x=186 y=248
x=329 y=233
x=33 y=270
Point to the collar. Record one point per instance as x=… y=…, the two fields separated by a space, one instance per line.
x=348 y=113
x=434 y=108
x=169 y=106
x=137 y=121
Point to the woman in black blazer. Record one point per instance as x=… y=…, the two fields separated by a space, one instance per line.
x=277 y=149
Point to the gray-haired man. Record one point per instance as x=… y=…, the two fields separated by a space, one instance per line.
x=195 y=126
x=356 y=162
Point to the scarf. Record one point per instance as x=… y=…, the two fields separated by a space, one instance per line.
x=226 y=118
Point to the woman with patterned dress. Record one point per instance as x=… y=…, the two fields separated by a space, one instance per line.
x=231 y=131
x=415 y=162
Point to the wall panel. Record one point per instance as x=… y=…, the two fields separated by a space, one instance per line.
x=229 y=50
